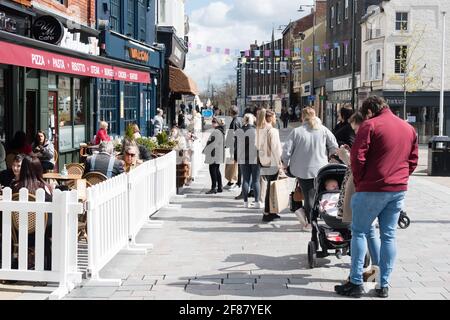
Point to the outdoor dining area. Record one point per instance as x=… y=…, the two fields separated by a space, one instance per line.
x=98 y=204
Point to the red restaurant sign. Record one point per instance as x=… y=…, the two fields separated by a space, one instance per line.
x=33 y=58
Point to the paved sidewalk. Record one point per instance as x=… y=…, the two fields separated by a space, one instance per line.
x=210 y=247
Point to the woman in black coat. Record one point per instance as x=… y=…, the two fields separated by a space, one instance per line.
x=215 y=155
x=343 y=131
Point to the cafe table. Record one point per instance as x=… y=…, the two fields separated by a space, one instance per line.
x=60 y=177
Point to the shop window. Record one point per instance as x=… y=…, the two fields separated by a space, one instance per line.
x=108 y=104
x=79 y=113
x=115 y=16
x=64 y=114
x=131 y=101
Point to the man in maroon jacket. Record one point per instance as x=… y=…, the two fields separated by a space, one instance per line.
x=384 y=155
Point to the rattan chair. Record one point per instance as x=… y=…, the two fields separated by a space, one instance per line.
x=93 y=178
x=31 y=223
x=75 y=168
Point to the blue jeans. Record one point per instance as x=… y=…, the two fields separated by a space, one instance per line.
x=250 y=173
x=366 y=207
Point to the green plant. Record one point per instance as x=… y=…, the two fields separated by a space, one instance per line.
x=148 y=143
x=129 y=132
x=162 y=138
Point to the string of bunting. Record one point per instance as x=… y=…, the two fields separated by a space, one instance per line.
x=262 y=54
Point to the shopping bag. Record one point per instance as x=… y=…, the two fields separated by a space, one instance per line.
x=231 y=172
x=279 y=195
x=298 y=193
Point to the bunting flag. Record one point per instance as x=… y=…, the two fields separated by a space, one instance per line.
x=244 y=60
x=237 y=52
x=247 y=53
x=277 y=53
x=308 y=50
x=317 y=48
x=336 y=45
x=190 y=44
x=199 y=47
x=297 y=50
x=218 y=50
x=326 y=46
x=287 y=52
x=267 y=53
x=227 y=52
x=257 y=53
x=209 y=49
x=346 y=43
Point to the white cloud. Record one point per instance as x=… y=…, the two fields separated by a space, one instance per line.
x=232 y=25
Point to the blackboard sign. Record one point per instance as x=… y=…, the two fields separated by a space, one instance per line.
x=48 y=29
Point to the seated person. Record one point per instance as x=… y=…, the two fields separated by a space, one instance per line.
x=44 y=150
x=9 y=176
x=18 y=145
x=104 y=161
x=131 y=157
x=328 y=202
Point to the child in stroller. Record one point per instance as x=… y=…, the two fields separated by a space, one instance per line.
x=333 y=234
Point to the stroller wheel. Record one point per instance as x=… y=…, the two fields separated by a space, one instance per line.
x=403 y=221
x=367 y=260
x=312 y=255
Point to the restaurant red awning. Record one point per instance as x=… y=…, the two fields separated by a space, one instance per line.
x=179 y=82
x=23 y=56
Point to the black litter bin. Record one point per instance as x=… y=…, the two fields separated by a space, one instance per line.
x=439 y=156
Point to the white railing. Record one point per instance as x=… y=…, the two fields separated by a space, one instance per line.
x=118 y=208
x=142 y=197
x=166 y=179
x=107 y=222
x=63 y=213
x=197 y=158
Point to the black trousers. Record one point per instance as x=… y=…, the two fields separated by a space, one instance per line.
x=285 y=123
x=216 y=176
x=307 y=186
x=240 y=173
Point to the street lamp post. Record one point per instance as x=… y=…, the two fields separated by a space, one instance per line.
x=353 y=52
x=313 y=87
x=441 y=105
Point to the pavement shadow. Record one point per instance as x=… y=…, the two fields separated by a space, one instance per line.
x=268 y=227
x=250 y=218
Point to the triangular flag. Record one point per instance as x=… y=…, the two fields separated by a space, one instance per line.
x=217 y=50
x=267 y=53
x=247 y=53
x=257 y=53
x=336 y=45
x=308 y=50
x=208 y=49
x=227 y=52
x=199 y=47
x=287 y=52
x=277 y=53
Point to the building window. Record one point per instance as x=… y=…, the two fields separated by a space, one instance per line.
x=401 y=54
x=332 y=17
x=131 y=19
x=109 y=99
x=115 y=17
x=338 y=12
x=332 y=59
x=162 y=11
x=142 y=12
x=61 y=1
x=374 y=65
x=345 y=54
x=346 y=9
x=338 y=57
x=401 y=21
x=378 y=65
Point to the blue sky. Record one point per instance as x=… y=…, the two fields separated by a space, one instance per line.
x=232 y=24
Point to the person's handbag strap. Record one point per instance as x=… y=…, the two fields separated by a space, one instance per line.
x=110 y=167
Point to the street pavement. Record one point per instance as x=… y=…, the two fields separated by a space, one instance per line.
x=211 y=247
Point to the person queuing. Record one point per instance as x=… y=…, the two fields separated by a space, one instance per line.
x=269 y=155
x=44 y=150
x=232 y=143
x=104 y=161
x=306 y=151
x=214 y=155
x=385 y=153
x=158 y=122
x=247 y=157
x=285 y=117
x=102 y=133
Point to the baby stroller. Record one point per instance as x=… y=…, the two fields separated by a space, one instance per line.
x=332 y=234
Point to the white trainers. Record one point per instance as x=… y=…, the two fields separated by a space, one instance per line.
x=233 y=187
x=228 y=187
x=301 y=215
x=258 y=205
x=246 y=205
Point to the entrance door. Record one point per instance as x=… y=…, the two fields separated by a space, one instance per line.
x=31 y=109
x=53 y=118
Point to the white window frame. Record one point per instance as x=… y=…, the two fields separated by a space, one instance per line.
x=395 y=58
x=346 y=4
x=338 y=12
x=332 y=17
x=338 y=57
x=401 y=21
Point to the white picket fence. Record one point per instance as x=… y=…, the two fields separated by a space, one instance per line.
x=118 y=208
x=197 y=158
x=63 y=213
